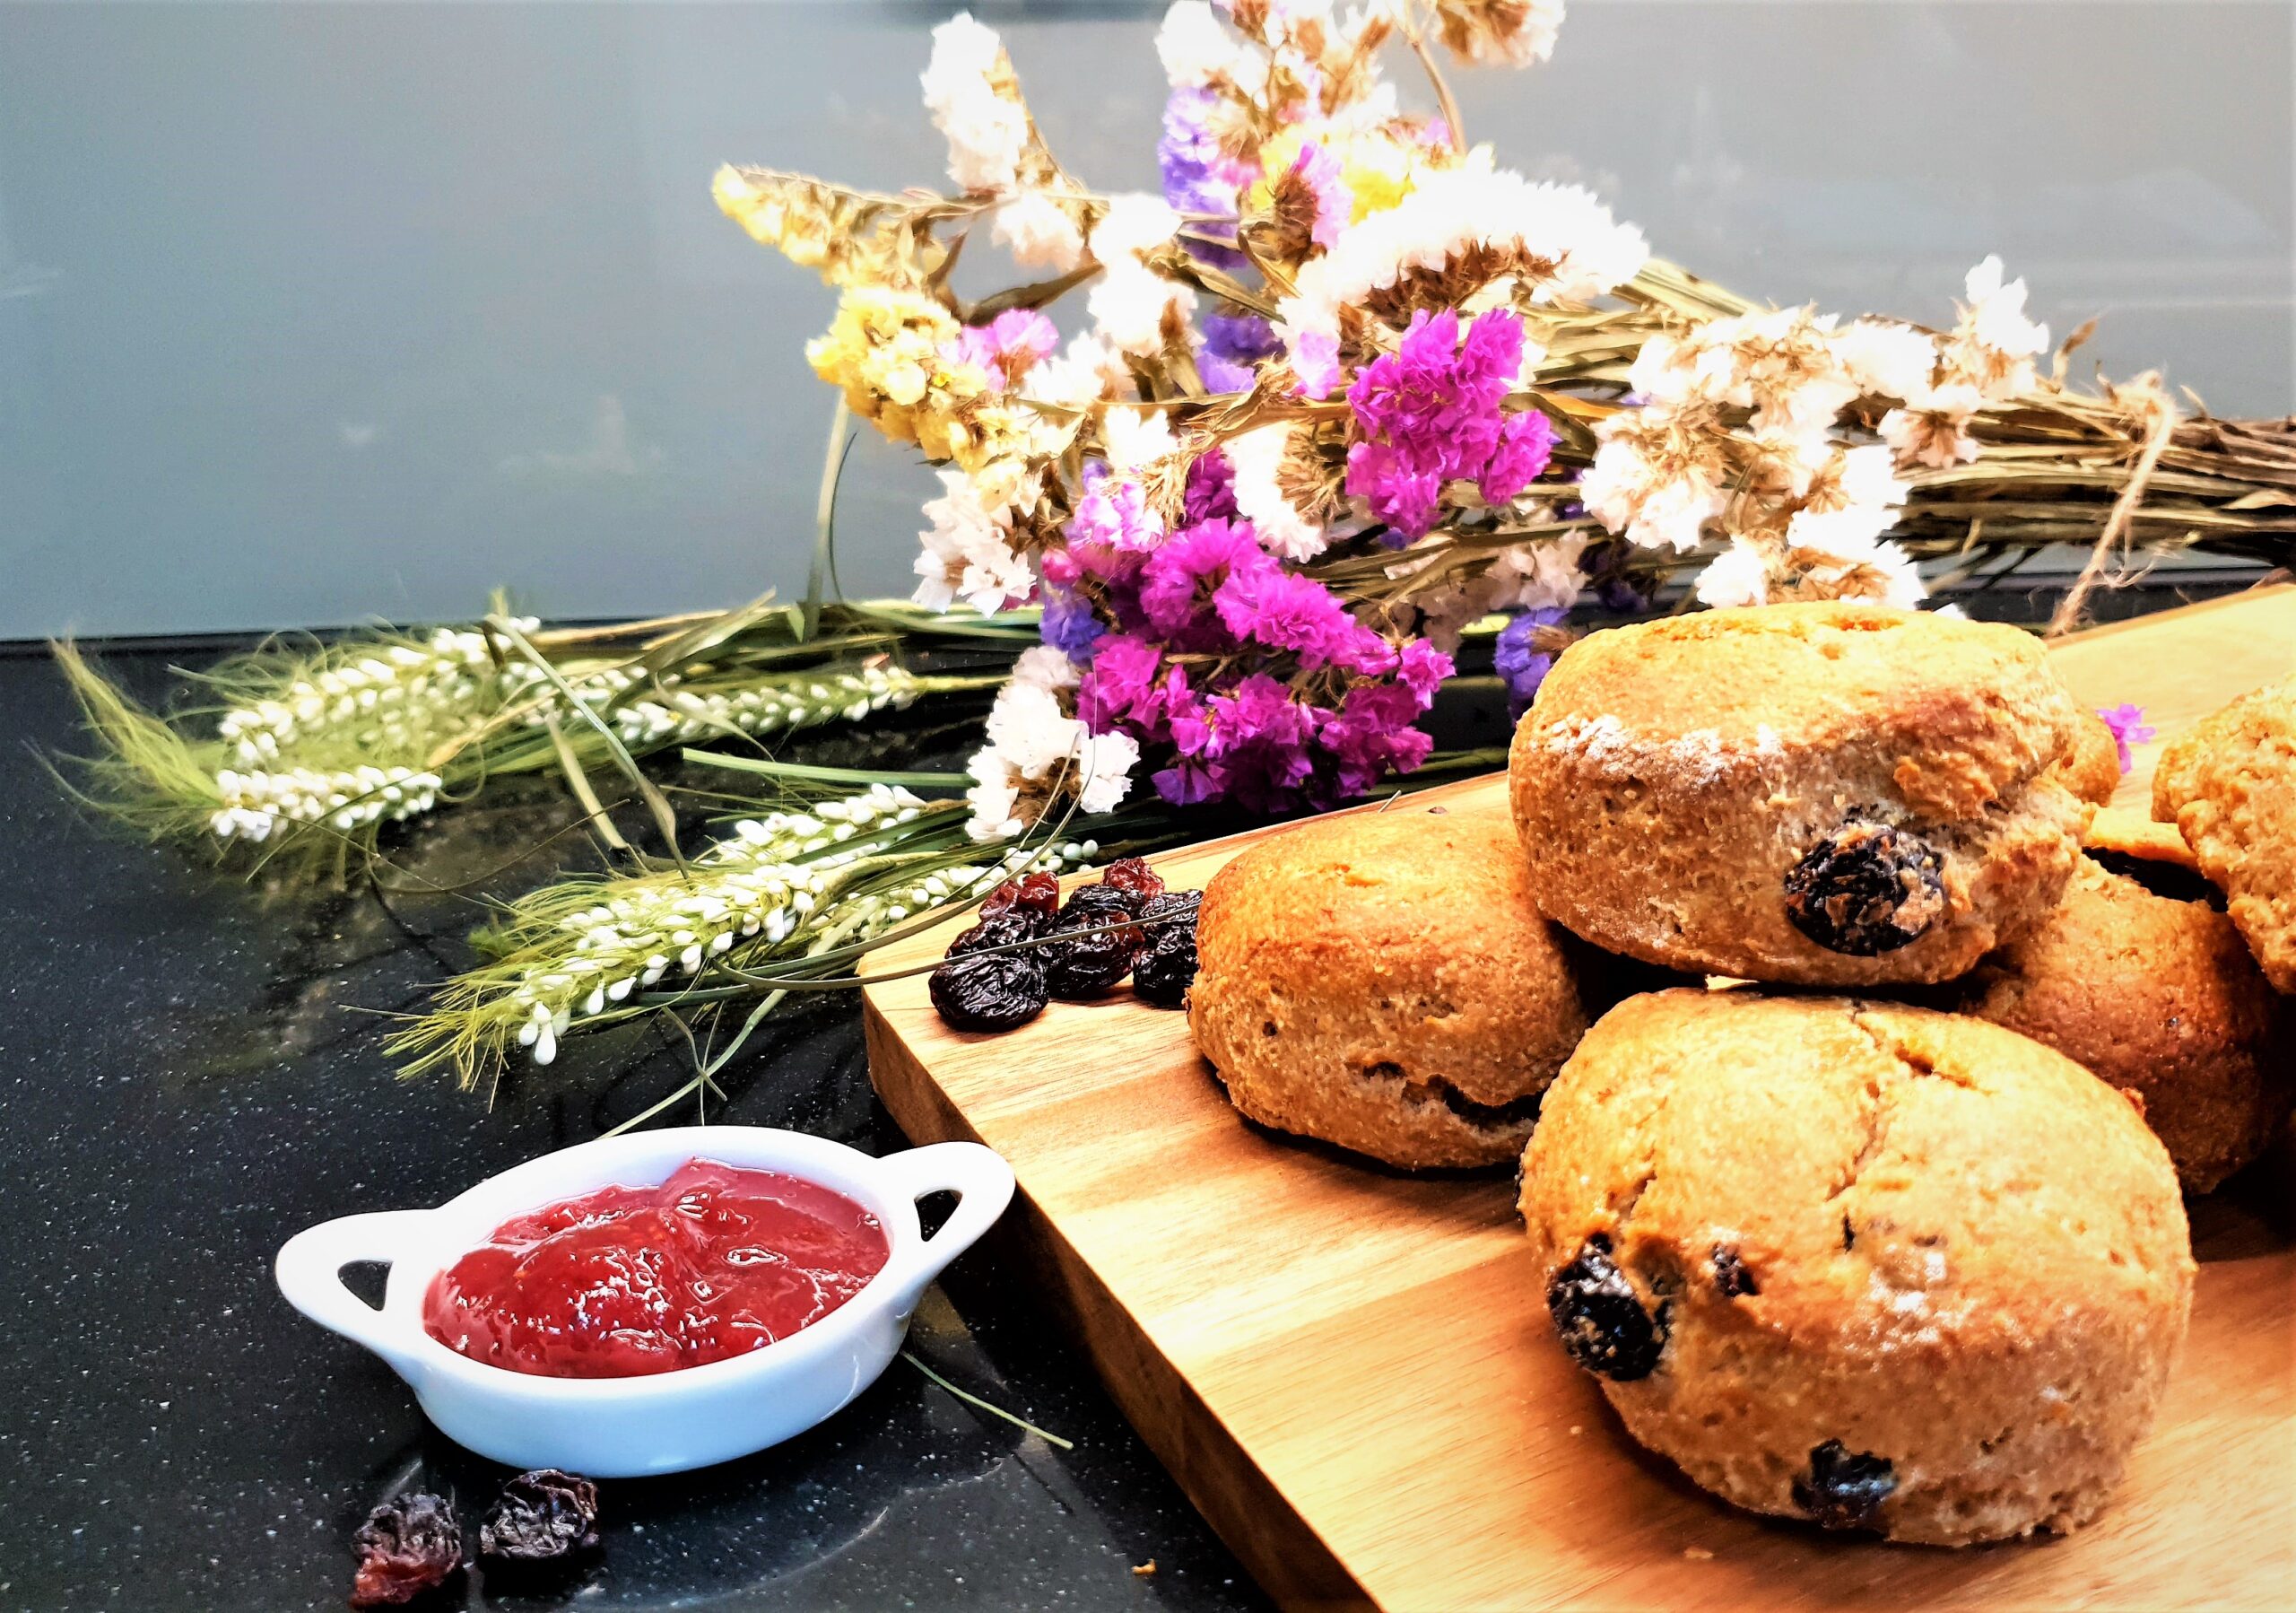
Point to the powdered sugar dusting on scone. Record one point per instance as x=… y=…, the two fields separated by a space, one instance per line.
x=1698 y=757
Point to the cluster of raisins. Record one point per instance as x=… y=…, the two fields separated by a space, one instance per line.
x=413 y=1543
x=1029 y=948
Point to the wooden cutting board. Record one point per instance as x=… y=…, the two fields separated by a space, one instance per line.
x=1352 y=1372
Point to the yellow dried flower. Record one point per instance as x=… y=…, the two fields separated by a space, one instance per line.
x=886 y=352
x=849 y=236
x=1379 y=168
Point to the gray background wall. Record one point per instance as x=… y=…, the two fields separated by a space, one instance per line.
x=313 y=313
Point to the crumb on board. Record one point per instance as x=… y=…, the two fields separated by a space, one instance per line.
x=1698 y=1554
x=1576 y=1429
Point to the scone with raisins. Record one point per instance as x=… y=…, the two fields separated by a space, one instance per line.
x=2157 y=997
x=1820 y=794
x=1871 y=1266
x=1383 y=981
x=2229 y=787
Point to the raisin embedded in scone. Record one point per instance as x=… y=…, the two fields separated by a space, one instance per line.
x=1820 y=794
x=1868 y=1265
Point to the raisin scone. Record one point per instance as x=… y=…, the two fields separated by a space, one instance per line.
x=1383 y=981
x=2228 y=786
x=1876 y=1266
x=1820 y=794
x=2158 y=998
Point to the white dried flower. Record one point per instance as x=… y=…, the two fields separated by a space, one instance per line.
x=1040 y=232
x=1994 y=347
x=1887 y=360
x=1257 y=457
x=1131 y=305
x=1739 y=575
x=1657 y=479
x=1932 y=430
x=1087 y=371
x=1512 y=33
x=968 y=91
x=1559 y=239
x=968 y=550
x=1035 y=749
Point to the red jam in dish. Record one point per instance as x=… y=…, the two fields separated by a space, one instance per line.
x=717 y=1261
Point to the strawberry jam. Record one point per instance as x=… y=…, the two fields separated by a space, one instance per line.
x=715 y=1262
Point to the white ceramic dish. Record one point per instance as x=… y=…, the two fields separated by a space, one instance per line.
x=668 y=1422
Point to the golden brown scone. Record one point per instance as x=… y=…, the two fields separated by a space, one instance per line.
x=1383 y=981
x=1820 y=794
x=2091 y=770
x=1875 y=1266
x=2229 y=787
x=2158 y=998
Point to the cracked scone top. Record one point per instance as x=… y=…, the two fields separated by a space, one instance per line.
x=1382 y=980
x=1871 y=1266
x=1820 y=794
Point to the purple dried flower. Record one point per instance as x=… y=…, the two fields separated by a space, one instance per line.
x=1192 y=564
x=1199 y=177
x=1009 y=345
x=1211 y=491
x=1069 y=624
x=1113 y=525
x=1315 y=359
x=1120 y=686
x=2130 y=729
x=1518 y=658
x=1431 y=412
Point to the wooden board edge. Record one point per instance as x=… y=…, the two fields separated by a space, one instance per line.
x=2106 y=630
x=1275 y=1545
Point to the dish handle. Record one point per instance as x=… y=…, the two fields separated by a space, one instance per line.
x=983 y=1184
x=309 y=1271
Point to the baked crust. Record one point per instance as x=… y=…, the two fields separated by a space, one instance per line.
x=2090 y=769
x=2158 y=997
x=2229 y=785
x=1923 y=1236
x=1671 y=775
x=1382 y=980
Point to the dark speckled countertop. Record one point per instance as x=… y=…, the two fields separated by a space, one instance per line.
x=187 y=1077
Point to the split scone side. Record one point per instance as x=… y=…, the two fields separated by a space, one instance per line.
x=1383 y=982
x=1821 y=794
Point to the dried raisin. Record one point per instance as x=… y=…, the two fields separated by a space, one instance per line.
x=989 y=992
x=1135 y=878
x=1095 y=943
x=408 y=1545
x=1166 y=967
x=1601 y=1321
x=1844 y=1488
x=1732 y=1279
x=540 y=1517
x=1038 y=894
x=1867 y=889
x=999 y=929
